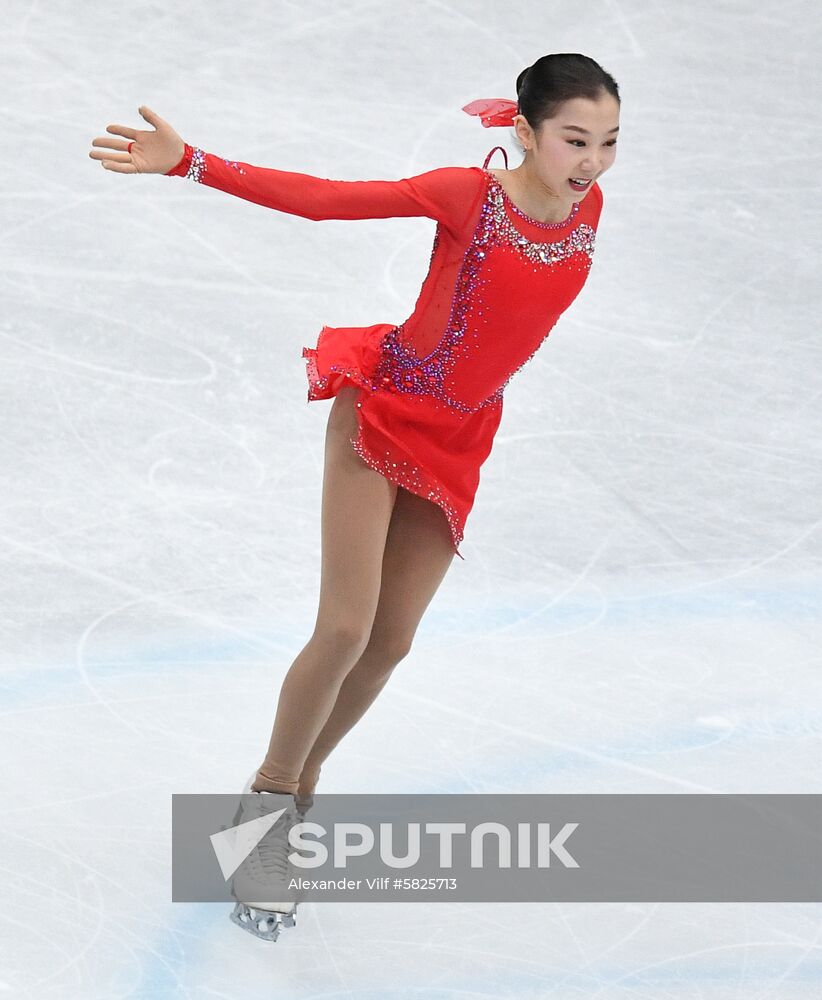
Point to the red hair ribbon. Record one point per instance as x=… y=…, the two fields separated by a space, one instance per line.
x=493 y=111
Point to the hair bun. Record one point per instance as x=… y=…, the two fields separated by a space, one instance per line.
x=558 y=77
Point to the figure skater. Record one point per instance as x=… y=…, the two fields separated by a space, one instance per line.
x=416 y=405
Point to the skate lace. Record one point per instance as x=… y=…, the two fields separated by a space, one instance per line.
x=273 y=850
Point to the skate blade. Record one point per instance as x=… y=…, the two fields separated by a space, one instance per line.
x=264 y=924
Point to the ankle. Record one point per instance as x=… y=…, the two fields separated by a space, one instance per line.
x=307 y=783
x=263 y=783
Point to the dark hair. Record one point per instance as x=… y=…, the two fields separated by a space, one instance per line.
x=560 y=77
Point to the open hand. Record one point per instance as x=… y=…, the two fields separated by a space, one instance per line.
x=151 y=152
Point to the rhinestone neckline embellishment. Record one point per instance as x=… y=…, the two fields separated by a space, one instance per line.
x=518 y=211
x=581 y=239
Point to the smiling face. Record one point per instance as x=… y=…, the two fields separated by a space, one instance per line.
x=579 y=142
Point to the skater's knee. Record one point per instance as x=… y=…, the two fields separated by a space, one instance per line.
x=346 y=639
x=381 y=655
x=389 y=649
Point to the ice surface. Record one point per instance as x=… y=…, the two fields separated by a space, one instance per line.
x=639 y=606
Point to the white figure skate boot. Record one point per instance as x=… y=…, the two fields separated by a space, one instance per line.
x=266 y=870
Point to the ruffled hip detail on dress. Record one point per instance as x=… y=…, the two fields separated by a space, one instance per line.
x=343 y=355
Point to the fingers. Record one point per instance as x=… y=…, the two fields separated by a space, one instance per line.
x=121 y=162
x=129 y=133
x=120 y=168
x=107 y=143
x=110 y=157
x=150 y=116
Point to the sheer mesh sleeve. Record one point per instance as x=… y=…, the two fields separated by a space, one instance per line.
x=445 y=194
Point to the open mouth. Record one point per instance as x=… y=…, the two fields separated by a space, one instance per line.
x=580 y=183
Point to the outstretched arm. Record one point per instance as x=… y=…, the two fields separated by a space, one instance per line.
x=432 y=194
x=445 y=194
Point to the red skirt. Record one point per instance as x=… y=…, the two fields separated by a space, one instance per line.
x=416 y=441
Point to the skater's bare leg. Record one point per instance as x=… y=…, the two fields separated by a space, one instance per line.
x=356 y=511
x=418 y=552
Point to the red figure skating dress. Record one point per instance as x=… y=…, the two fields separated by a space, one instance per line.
x=431 y=388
